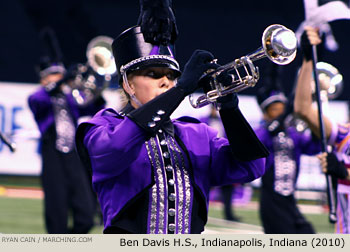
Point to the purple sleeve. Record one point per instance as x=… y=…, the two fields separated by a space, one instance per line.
x=309 y=145
x=40 y=103
x=112 y=141
x=225 y=169
x=263 y=135
x=41 y=106
x=339 y=133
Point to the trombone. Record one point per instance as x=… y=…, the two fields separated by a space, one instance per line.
x=279 y=44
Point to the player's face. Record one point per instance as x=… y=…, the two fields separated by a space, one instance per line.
x=51 y=78
x=274 y=110
x=146 y=84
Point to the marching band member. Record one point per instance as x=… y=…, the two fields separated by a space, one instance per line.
x=64 y=180
x=153 y=174
x=338 y=135
x=278 y=207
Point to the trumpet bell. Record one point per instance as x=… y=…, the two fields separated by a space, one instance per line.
x=100 y=56
x=279 y=44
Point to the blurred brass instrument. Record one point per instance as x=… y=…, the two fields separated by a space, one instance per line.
x=331 y=86
x=100 y=60
x=279 y=44
x=330 y=79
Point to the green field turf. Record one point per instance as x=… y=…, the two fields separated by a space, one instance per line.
x=319 y=221
x=25 y=216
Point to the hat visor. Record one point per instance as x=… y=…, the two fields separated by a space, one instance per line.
x=155 y=63
x=56 y=69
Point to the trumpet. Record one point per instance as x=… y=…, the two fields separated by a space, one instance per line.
x=279 y=44
x=100 y=60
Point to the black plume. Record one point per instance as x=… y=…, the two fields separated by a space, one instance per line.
x=50 y=50
x=157 y=21
x=269 y=88
x=270 y=81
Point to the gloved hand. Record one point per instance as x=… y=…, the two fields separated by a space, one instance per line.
x=336 y=167
x=73 y=71
x=195 y=67
x=229 y=101
x=157 y=22
x=306 y=47
x=309 y=38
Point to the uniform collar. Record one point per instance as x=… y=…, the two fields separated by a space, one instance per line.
x=167 y=125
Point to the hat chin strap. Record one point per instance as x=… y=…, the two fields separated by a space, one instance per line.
x=132 y=96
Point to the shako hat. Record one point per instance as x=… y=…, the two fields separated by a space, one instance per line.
x=131 y=52
x=270 y=90
x=267 y=97
x=50 y=61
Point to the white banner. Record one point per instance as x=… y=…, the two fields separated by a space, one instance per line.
x=18 y=125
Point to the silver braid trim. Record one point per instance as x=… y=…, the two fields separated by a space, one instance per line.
x=124 y=68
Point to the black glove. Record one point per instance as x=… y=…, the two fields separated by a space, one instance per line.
x=229 y=101
x=157 y=22
x=72 y=72
x=335 y=167
x=306 y=47
x=195 y=67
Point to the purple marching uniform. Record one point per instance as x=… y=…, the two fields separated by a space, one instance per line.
x=340 y=138
x=278 y=207
x=170 y=168
x=226 y=191
x=41 y=105
x=151 y=174
x=64 y=180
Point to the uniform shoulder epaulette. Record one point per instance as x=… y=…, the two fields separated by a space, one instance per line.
x=188 y=119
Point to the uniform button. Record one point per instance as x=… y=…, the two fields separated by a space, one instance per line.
x=171 y=182
x=63 y=112
x=169 y=168
x=156 y=118
x=160 y=131
x=160 y=112
x=151 y=124
x=281 y=134
x=60 y=101
x=171 y=212
x=166 y=154
x=65 y=149
x=172 y=196
x=171 y=227
x=163 y=142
